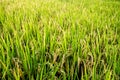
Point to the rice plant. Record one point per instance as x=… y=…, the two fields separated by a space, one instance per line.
x=59 y=39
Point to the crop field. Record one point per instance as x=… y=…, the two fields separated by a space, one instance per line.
x=59 y=40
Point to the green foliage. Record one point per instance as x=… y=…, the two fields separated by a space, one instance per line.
x=59 y=40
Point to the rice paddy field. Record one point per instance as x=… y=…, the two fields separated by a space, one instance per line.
x=59 y=40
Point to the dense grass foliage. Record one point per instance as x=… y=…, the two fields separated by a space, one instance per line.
x=59 y=39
